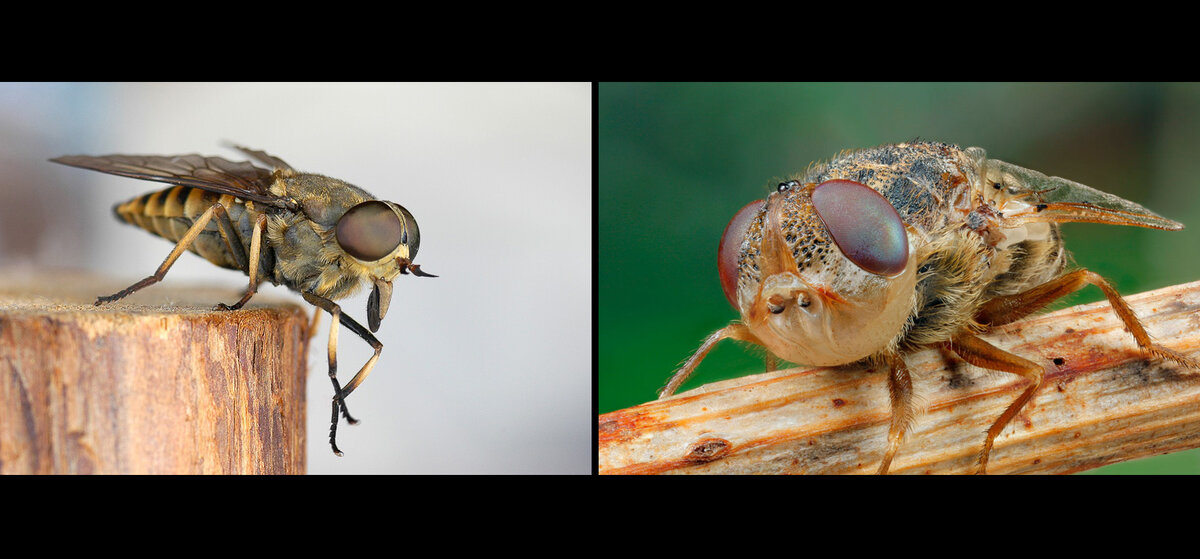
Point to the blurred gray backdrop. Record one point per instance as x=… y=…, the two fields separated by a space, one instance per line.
x=485 y=369
x=676 y=160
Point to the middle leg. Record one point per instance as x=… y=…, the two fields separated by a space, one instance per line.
x=252 y=265
x=976 y=351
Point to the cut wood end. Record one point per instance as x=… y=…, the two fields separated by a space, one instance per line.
x=69 y=291
x=160 y=383
x=1102 y=401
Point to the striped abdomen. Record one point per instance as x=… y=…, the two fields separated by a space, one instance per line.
x=170 y=213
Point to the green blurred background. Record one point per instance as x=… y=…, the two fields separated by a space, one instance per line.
x=677 y=160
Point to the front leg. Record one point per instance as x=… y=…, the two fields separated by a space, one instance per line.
x=339 y=393
x=735 y=331
x=901 y=392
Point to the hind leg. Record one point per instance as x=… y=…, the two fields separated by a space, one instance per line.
x=1003 y=310
x=227 y=231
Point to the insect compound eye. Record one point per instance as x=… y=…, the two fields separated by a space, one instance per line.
x=864 y=225
x=369 y=231
x=411 y=237
x=731 y=248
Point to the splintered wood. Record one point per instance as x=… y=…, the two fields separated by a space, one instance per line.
x=1102 y=401
x=157 y=383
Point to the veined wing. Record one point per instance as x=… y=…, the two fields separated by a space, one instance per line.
x=1060 y=200
x=215 y=174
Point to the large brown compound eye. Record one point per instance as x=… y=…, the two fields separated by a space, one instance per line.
x=731 y=248
x=369 y=231
x=864 y=225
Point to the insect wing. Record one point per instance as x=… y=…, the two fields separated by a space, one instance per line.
x=263 y=157
x=1059 y=200
x=214 y=174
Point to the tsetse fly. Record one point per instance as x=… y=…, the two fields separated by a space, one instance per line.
x=317 y=235
x=885 y=250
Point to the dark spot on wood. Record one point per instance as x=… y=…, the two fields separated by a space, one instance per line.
x=838 y=402
x=709 y=449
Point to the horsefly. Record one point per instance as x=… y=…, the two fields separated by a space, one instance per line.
x=316 y=235
x=885 y=250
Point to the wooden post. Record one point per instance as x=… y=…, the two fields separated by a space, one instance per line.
x=1102 y=401
x=158 y=383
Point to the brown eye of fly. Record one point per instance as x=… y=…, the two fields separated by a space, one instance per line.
x=412 y=234
x=731 y=248
x=864 y=225
x=369 y=231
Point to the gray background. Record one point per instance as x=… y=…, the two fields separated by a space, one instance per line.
x=485 y=369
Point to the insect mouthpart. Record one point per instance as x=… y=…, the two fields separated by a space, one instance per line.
x=378 y=303
x=381 y=292
x=407 y=266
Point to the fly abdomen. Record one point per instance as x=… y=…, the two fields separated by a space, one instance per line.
x=170 y=213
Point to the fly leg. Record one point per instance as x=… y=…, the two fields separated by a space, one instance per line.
x=901 y=392
x=977 y=352
x=255 y=251
x=1003 y=310
x=339 y=393
x=735 y=331
x=227 y=231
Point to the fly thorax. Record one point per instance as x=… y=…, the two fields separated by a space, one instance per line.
x=300 y=251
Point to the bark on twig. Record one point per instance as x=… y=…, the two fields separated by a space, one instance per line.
x=1103 y=401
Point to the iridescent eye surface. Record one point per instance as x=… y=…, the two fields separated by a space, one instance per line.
x=731 y=248
x=369 y=231
x=864 y=225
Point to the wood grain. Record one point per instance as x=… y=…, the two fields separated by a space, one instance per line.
x=1103 y=401
x=158 y=383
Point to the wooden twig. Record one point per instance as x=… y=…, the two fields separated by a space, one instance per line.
x=153 y=384
x=1103 y=401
